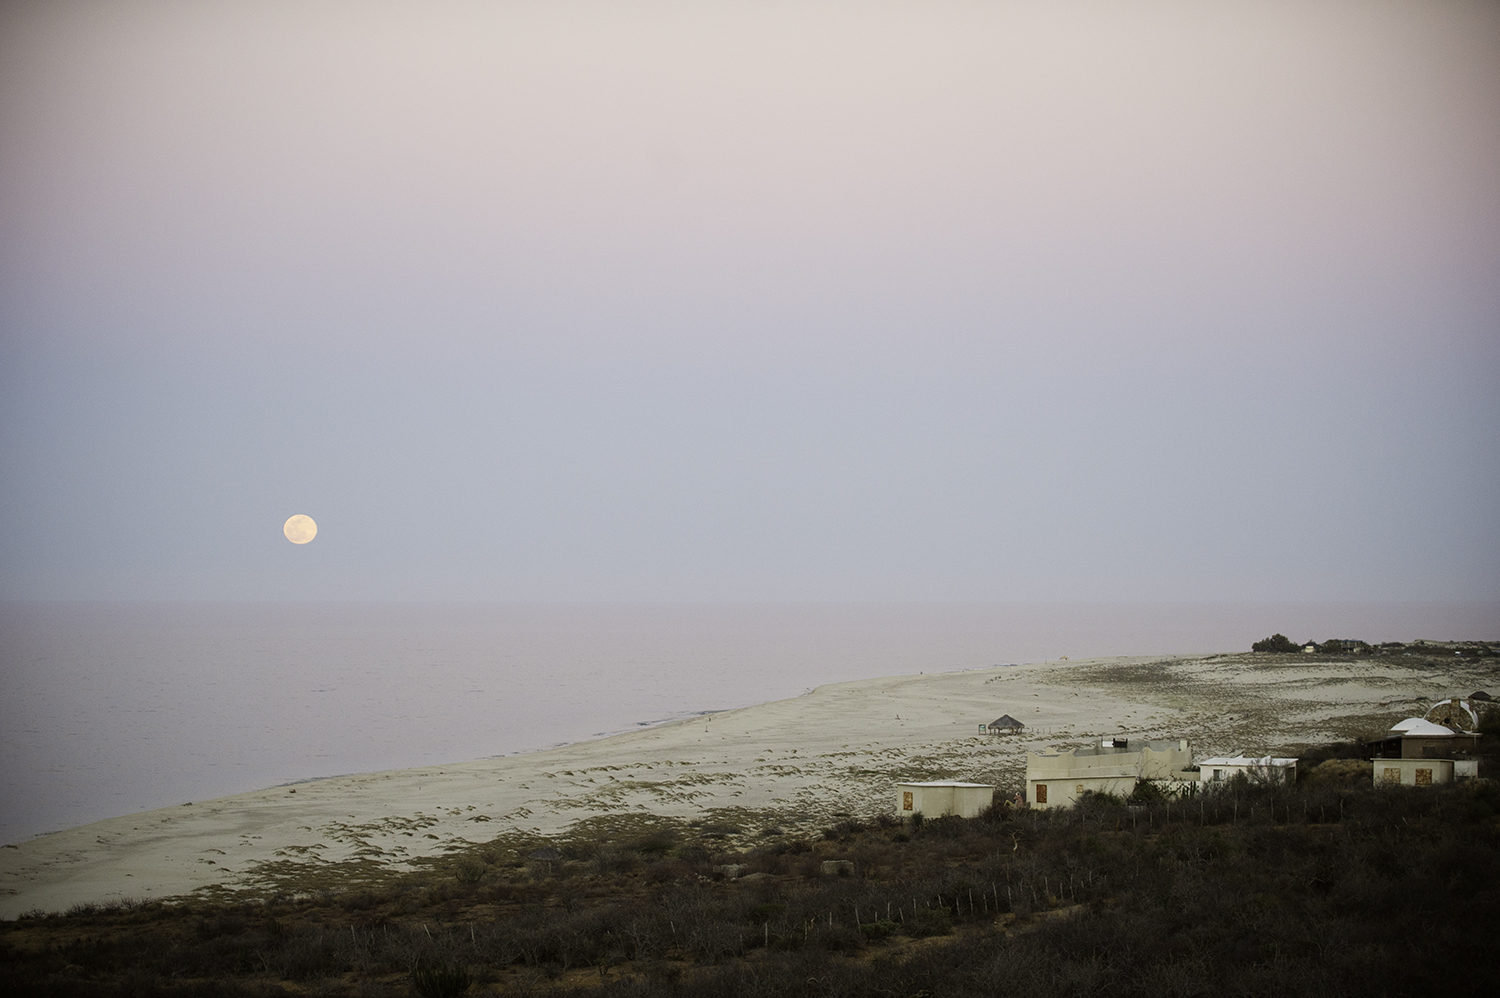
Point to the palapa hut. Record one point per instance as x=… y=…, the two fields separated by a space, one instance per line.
x=1004 y=725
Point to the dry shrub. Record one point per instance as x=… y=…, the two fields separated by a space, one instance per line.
x=1253 y=890
x=1341 y=773
x=926 y=922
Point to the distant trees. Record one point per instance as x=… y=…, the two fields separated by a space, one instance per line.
x=1333 y=646
x=1343 y=646
x=1276 y=642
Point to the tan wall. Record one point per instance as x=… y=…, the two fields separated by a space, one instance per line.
x=1065 y=793
x=970 y=801
x=934 y=802
x=930 y=801
x=1113 y=772
x=1413 y=772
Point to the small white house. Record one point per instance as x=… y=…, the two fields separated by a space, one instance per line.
x=1220 y=768
x=938 y=797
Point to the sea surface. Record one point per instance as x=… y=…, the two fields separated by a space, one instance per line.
x=108 y=709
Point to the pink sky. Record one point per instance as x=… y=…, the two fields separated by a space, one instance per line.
x=767 y=217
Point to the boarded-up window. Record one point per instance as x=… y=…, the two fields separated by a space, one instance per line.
x=1424 y=777
x=1079 y=788
x=1041 y=793
x=1391 y=774
x=906 y=800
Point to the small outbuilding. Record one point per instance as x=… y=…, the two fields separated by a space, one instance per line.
x=935 y=798
x=1004 y=725
x=1268 y=767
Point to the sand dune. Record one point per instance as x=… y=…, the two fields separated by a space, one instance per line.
x=795 y=763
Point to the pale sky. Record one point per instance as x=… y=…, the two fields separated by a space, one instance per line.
x=830 y=301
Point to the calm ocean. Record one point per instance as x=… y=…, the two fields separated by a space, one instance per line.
x=106 y=709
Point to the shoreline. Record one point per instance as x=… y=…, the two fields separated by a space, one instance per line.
x=597 y=736
x=798 y=762
x=299 y=781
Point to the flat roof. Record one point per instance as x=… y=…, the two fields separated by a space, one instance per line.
x=943 y=783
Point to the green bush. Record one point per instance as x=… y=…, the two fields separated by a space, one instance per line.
x=469 y=870
x=1147 y=792
x=1276 y=642
x=654 y=844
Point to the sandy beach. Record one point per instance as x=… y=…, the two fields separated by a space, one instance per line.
x=795 y=763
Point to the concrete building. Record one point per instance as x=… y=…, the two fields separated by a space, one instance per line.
x=1417 y=752
x=1114 y=766
x=939 y=797
x=1219 y=768
x=1417 y=738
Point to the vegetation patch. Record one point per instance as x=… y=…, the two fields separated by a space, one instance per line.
x=1327 y=887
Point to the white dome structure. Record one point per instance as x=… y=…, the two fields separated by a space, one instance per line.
x=1417 y=727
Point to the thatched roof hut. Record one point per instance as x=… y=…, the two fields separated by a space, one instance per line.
x=1004 y=724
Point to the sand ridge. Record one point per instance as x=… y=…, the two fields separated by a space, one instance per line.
x=799 y=763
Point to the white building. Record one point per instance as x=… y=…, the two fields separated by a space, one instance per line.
x=1415 y=772
x=1114 y=766
x=1219 y=768
x=939 y=797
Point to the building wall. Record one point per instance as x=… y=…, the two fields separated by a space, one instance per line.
x=1220 y=772
x=1427 y=746
x=1065 y=792
x=1069 y=775
x=933 y=802
x=969 y=802
x=1438 y=747
x=1413 y=772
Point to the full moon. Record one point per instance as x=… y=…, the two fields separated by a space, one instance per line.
x=300 y=529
